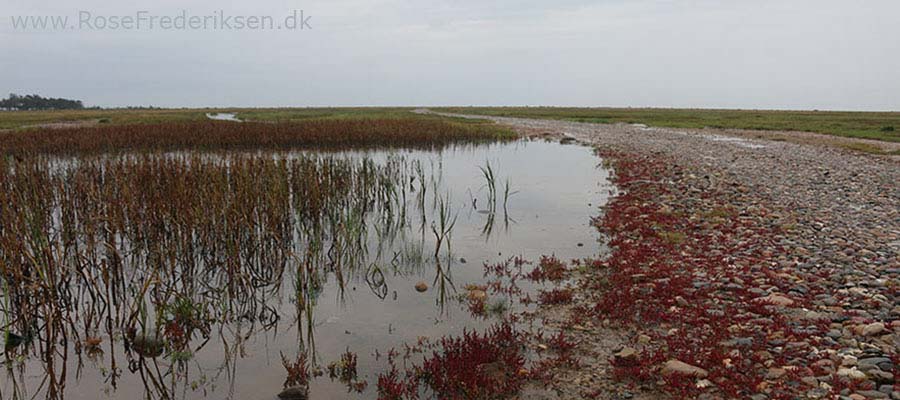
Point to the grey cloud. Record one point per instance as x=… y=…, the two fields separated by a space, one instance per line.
x=826 y=54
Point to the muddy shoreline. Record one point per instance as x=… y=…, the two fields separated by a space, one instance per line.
x=772 y=271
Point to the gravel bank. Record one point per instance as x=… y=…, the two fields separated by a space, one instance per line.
x=805 y=284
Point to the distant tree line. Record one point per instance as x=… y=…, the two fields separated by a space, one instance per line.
x=35 y=102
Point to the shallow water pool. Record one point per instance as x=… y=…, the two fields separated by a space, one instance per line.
x=545 y=195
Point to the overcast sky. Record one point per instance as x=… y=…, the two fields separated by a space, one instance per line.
x=816 y=54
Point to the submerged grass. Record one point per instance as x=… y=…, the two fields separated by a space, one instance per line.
x=868 y=125
x=171 y=249
x=128 y=233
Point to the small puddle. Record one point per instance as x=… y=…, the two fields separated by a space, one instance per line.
x=223 y=117
x=554 y=191
x=733 y=140
x=740 y=142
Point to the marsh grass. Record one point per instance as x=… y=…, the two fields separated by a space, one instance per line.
x=868 y=148
x=442 y=227
x=325 y=134
x=867 y=125
x=490 y=178
x=487 y=173
x=165 y=237
x=173 y=248
x=31 y=119
x=132 y=116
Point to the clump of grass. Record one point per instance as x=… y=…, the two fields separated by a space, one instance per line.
x=444 y=224
x=297 y=371
x=391 y=386
x=672 y=237
x=549 y=268
x=507 y=192
x=867 y=148
x=487 y=172
x=719 y=212
x=476 y=366
x=181 y=356
x=345 y=368
x=497 y=307
x=471 y=366
x=555 y=296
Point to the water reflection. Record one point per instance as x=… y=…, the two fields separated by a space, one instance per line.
x=223 y=117
x=232 y=276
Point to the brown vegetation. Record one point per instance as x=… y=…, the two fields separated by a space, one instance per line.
x=219 y=135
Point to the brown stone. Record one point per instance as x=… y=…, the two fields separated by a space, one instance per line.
x=676 y=367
